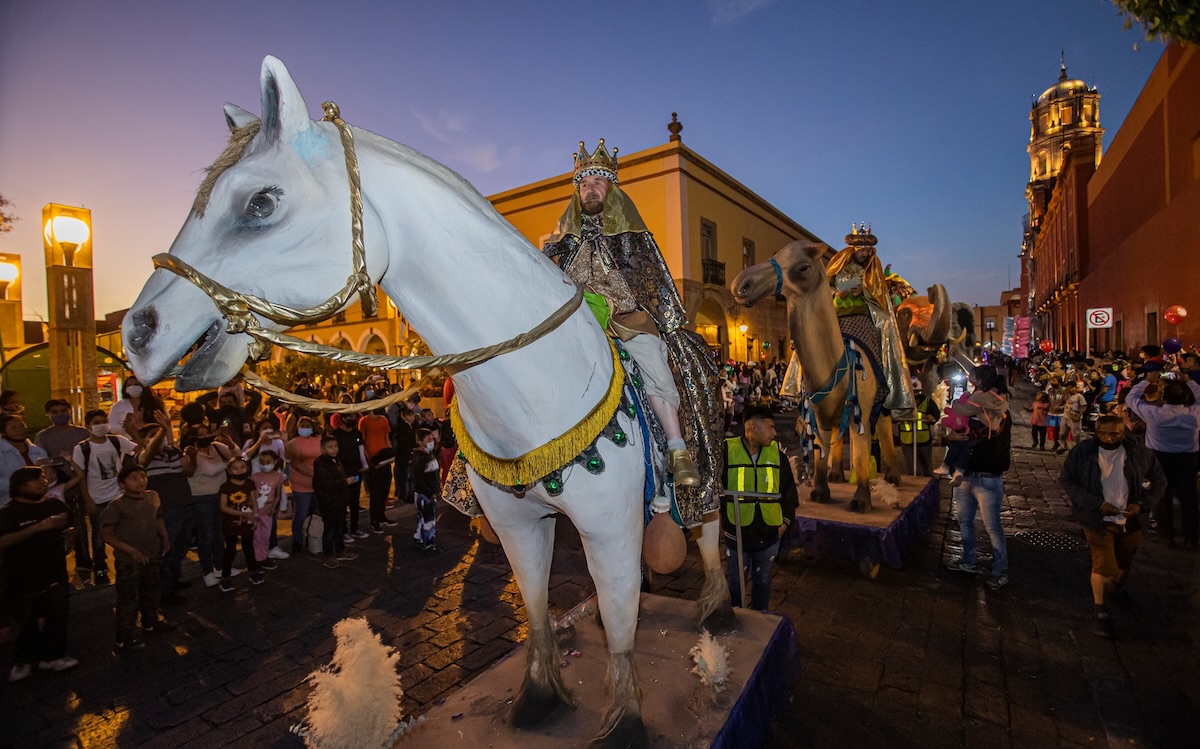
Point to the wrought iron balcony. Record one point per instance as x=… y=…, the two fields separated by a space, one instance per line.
x=714 y=271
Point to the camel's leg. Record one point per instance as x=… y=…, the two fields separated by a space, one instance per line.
x=716 y=608
x=820 y=492
x=887 y=450
x=860 y=457
x=837 y=474
x=527 y=535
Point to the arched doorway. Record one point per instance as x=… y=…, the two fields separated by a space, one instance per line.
x=28 y=372
x=713 y=327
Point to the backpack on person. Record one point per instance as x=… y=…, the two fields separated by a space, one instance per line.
x=85 y=447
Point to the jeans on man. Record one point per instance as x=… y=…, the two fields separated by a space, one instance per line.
x=99 y=554
x=180 y=522
x=139 y=589
x=984 y=493
x=79 y=521
x=401 y=473
x=301 y=512
x=210 y=543
x=379 y=481
x=759 y=564
x=49 y=642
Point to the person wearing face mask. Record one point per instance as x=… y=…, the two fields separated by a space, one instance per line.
x=269 y=440
x=33 y=573
x=302 y=450
x=209 y=458
x=16 y=451
x=268 y=493
x=135 y=409
x=426 y=484
x=100 y=457
x=1112 y=482
x=238 y=520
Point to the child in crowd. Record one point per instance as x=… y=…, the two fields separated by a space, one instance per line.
x=133 y=526
x=972 y=417
x=329 y=489
x=268 y=484
x=33 y=574
x=1037 y=420
x=426 y=490
x=1073 y=409
x=238 y=521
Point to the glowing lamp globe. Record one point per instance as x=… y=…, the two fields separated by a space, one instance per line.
x=1046 y=346
x=67 y=230
x=9 y=272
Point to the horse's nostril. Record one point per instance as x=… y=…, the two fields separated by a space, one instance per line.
x=143 y=327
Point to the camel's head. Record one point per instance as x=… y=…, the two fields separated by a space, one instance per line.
x=797 y=269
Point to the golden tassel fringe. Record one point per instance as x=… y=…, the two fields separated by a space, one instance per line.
x=533 y=465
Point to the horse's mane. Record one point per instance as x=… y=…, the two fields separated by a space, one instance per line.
x=232 y=154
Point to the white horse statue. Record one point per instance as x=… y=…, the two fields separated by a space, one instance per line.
x=273 y=221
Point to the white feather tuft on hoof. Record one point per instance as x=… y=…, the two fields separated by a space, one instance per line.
x=712 y=662
x=883 y=493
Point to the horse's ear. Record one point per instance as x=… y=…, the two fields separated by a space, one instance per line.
x=283 y=110
x=237 y=118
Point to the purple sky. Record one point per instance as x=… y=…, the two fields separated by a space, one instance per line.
x=833 y=112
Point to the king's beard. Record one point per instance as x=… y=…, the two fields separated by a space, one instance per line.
x=592 y=206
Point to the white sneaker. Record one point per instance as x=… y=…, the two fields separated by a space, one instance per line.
x=235 y=571
x=361 y=534
x=212 y=579
x=60 y=664
x=348 y=538
x=18 y=673
x=277 y=553
x=942 y=470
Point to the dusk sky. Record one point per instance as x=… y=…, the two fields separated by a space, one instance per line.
x=910 y=115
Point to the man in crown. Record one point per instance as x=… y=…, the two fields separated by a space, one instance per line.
x=602 y=243
x=862 y=287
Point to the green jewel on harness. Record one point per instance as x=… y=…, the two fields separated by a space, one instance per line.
x=621 y=352
x=553 y=486
x=618 y=438
x=637 y=380
x=595 y=465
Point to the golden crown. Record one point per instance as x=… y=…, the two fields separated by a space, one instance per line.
x=599 y=162
x=860 y=236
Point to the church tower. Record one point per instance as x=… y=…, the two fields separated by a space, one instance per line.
x=1064 y=122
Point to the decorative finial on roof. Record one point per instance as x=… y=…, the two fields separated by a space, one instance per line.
x=1062 y=62
x=674 y=127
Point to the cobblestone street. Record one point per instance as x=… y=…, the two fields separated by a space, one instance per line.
x=918 y=657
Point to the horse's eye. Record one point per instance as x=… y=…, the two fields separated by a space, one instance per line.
x=261 y=205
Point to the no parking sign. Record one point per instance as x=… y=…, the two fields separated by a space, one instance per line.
x=1100 y=317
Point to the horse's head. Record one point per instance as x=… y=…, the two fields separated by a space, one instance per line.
x=795 y=270
x=271 y=218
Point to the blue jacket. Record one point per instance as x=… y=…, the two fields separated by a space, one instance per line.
x=11 y=461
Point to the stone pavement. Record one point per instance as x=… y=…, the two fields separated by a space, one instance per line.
x=919 y=657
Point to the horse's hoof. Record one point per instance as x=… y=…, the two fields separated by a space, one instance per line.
x=893 y=479
x=858 y=505
x=720 y=622
x=534 y=703
x=821 y=496
x=627 y=732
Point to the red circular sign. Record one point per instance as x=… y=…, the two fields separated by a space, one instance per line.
x=1099 y=318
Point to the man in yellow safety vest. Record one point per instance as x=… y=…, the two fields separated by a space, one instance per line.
x=926 y=415
x=758 y=471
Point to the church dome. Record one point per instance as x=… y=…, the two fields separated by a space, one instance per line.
x=1065 y=88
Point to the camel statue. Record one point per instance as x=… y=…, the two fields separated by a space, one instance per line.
x=839 y=375
x=924 y=324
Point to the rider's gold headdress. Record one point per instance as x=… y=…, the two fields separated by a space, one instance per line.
x=860 y=236
x=600 y=163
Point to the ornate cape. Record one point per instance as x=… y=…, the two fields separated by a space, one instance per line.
x=895 y=366
x=701 y=412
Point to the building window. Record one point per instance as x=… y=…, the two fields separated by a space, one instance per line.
x=747 y=253
x=708 y=240
x=1151 y=327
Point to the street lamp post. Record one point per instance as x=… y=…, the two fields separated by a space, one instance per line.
x=67 y=239
x=12 y=333
x=745 y=340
